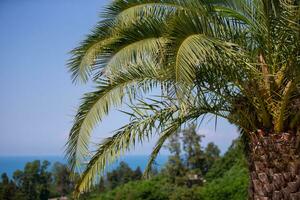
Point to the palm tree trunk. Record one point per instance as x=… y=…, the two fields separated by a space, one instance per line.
x=274 y=163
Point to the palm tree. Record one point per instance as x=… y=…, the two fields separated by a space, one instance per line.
x=235 y=59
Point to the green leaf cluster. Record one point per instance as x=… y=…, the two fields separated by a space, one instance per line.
x=236 y=59
x=37 y=182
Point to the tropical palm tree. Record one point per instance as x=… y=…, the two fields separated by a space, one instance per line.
x=235 y=59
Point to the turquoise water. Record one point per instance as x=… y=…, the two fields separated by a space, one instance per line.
x=9 y=164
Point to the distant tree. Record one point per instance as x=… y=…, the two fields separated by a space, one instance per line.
x=18 y=178
x=8 y=188
x=174 y=167
x=45 y=180
x=194 y=155
x=5 y=179
x=30 y=180
x=211 y=154
x=1 y=189
x=34 y=181
x=61 y=177
x=137 y=174
x=122 y=174
x=190 y=159
x=101 y=185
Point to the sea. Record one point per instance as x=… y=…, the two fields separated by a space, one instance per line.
x=9 y=164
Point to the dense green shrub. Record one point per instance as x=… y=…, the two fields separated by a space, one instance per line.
x=228 y=178
x=154 y=189
x=233 y=185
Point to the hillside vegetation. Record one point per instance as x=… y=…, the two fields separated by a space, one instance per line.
x=191 y=173
x=227 y=178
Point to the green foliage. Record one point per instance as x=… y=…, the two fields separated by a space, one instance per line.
x=61 y=178
x=234 y=156
x=226 y=179
x=36 y=182
x=232 y=185
x=211 y=155
x=184 y=193
x=122 y=174
x=190 y=159
x=8 y=190
x=236 y=59
x=114 y=179
x=155 y=189
x=101 y=187
x=174 y=168
x=191 y=141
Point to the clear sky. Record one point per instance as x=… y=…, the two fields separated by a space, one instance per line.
x=38 y=100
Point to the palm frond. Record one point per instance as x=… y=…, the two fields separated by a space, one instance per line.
x=141 y=126
x=235 y=59
x=96 y=105
x=119 y=18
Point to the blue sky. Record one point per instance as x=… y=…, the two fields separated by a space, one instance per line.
x=38 y=100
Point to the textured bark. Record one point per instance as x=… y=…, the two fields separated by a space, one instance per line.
x=274 y=164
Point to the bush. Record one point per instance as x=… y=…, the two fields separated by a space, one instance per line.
x=154 y=189
x=233 y=185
